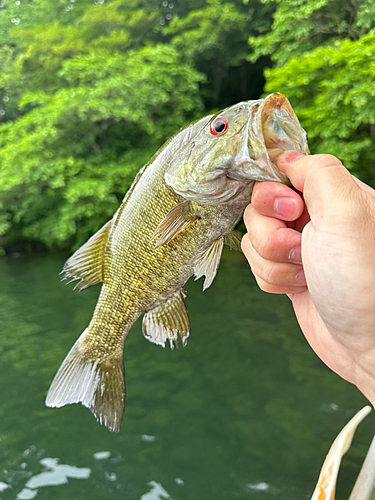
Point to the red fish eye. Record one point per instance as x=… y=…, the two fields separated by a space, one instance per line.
x=219 y=126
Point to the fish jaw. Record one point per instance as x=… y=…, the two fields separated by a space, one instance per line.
x=212 y=169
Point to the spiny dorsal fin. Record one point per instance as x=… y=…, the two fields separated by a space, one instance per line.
x=166 y=321
x=233 y=240
x=174 y=222
x=208 y=261
x=87 y=262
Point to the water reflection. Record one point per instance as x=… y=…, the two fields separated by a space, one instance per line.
x=102 y=455
x=55 y=475
x=157 y=492
x=3 y=486
x=259 y=486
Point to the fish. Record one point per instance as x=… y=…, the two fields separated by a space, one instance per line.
x=181 y=209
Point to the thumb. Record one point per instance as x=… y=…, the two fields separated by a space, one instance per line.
x=327 y=186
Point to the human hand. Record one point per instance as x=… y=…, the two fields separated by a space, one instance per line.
x=320 y=251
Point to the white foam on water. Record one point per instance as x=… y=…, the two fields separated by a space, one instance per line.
x=157 y=492
x=102 y=455
x=56 y=475
x=259 y=486
x=3 y=486
x=147 y=438
x=27 y=494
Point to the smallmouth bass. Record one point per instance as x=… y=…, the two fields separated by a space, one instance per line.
x=173 y=222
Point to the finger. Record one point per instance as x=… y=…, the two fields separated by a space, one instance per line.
x=274 y=273
x=276 y=200
x=301 y=222
x=270 y=238
x=364 y=186
x=327 y=186
x=279 y=289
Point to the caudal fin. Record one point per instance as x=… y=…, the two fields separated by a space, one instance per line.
x=97 y=384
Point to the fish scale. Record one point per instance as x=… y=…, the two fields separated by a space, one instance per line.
x=172 y=223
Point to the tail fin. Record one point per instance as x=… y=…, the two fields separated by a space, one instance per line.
x=97 y=384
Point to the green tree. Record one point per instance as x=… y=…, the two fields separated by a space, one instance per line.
x=213 y=39
x=89 y=92
x=322 y=55
x=299 y=26
x=333 y=91
x=90 y=105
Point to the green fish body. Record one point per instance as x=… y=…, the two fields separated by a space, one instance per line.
x=173 y=222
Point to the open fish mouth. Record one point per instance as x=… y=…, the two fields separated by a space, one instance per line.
x=257 y=132
x=280 y=127
x=273 y=127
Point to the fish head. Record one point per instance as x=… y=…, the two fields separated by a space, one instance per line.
x=235 y=147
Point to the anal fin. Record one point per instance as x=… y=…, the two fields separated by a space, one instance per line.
x=167 y=321
x=87 y=262
x=233 y=240
x=208 y=262
x=176 y=220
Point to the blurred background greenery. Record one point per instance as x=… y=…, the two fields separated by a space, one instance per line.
x=89 y=90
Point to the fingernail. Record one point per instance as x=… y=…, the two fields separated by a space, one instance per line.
x=291 y=156
x=300 y=278
x=286 y=207
x=295 y=255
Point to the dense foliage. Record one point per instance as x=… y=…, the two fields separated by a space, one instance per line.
x=323 y=60
x=90 y=90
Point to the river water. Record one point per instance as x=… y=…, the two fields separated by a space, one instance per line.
x=245 y=411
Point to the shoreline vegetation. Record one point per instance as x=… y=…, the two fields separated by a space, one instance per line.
x=90 y=90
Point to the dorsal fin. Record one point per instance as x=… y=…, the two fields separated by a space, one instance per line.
x=86 y=264
x=208 y=261
x=166 y=321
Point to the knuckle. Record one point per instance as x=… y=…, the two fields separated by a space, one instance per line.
x=265 y=287
x=246 y=244
x=268 y=288
x=323 y=160
x=247 y=213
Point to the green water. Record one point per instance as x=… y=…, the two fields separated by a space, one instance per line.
x=245 y=411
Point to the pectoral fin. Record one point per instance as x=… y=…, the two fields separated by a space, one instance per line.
x=177 y=219
x=208 y=262
x=166 y=321
x=87 y=262
x=233 y=240
x=325 y=489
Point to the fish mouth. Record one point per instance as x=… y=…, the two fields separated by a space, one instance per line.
x=273 y=127
x=280 y=127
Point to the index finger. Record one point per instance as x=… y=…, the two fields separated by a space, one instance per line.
x=327 y=186
x=276 y=200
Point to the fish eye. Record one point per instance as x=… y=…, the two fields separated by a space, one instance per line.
x=218 y=126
